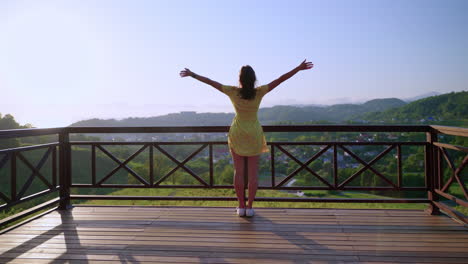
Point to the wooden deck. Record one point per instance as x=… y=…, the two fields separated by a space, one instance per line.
x=217 y=235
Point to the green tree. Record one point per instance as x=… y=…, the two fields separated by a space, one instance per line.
x=8 y=122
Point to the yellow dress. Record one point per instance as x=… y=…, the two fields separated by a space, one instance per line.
x=246 y=136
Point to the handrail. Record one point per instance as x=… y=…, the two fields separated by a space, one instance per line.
x=33 y=147
x=454 y=131
x=29 y=132
x=457 y=131
x=440 y=185
x=449 y=146
x=268 y=128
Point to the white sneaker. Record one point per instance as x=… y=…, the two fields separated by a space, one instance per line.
x=249 y=212
x=240 y=211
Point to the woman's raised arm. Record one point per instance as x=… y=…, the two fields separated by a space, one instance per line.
x=305 y=65
x=200 y=78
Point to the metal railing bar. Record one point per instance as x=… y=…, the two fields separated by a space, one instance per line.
x=37 y=216
x=304 y=165
x=35 y=172
x=455 y=171
x=32 y=210
x=93 y=164
x=454 y=131
x=452 y=212
x=4 y=160
x=367 y=165
x=272 y=163
x=29 y=197
x=210 y=159
x=335 y=167
x=5 y=198
x=29 y=132
x=124 y=165
x=399 y=167
x=452 y=198
x=18 y=149
x=260 y=199
x=54 y=166
x=290 y=188
x=415 y=143
x=13 y=174
x=181 y=164
x=151 y=165
x=449 y=146
x=266 y=128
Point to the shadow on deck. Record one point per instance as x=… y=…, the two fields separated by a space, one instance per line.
x=100 y=234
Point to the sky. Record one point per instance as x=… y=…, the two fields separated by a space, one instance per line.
x=65 y=61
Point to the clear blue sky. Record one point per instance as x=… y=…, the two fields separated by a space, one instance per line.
x=64 y=61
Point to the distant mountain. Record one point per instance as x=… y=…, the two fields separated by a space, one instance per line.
x=187 y=118
x=269 y=115
x=334 y=113
x=450 y=106
x=422 y=96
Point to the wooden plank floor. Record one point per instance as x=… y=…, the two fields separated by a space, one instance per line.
x=217 y=235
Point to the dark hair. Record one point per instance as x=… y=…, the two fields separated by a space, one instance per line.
x=247 y=81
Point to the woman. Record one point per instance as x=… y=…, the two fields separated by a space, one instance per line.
x=246 y=139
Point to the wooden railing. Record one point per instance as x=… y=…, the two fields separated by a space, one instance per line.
x=439 y=185
x=61 y=156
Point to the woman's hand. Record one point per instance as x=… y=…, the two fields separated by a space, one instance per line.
x=200 y=78
x=186 y=73
x=305 y=65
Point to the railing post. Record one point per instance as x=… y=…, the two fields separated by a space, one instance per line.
x=65 y=170
x=432 y=169
x=13 y=176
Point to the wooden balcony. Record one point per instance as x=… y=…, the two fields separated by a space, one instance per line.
x=217 y=235
x=85 y=234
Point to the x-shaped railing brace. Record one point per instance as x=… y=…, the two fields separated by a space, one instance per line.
x=180 y=164
x=3 y=161
x=122 y=165
x=455 y=172
x=303 y=166
x=35 y=171
x=366 y=166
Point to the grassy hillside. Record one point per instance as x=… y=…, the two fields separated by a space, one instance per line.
x=451 y=108
x=281 y=113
